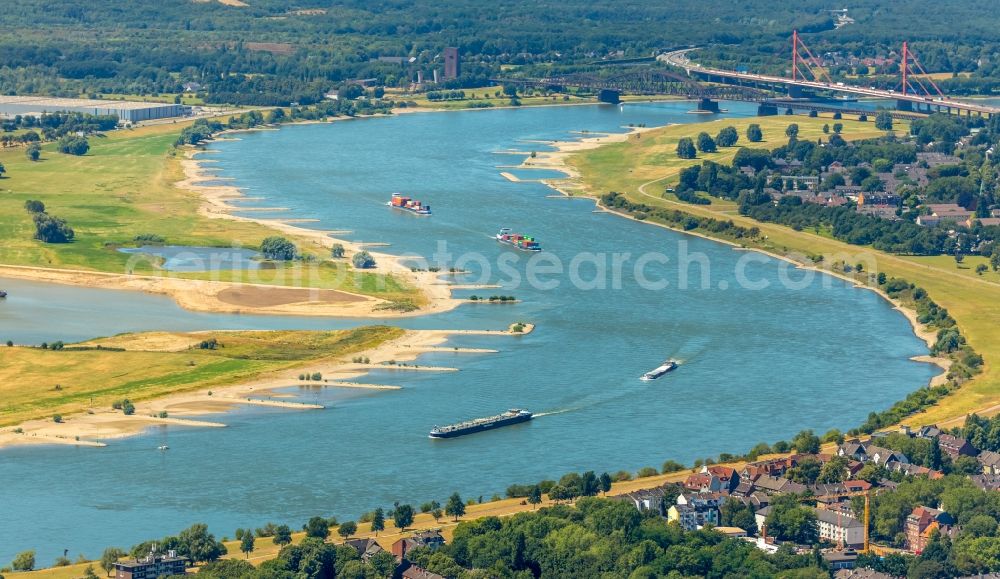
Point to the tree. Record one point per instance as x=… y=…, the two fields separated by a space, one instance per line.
x=198 y=544
x=363 y=260
x=754 y=134
x=402 y=516
x=316 y=527
x=88 y=573
x=24 y=561
x=605 y=480
x=727 y=137
x=247 y=543
x=378 y=520
x=455 y=507
x=109 y=557
x=33 y=152
x=337 y=251
x=685 y=148
x=935 y=460
x=535 y=496
x=792 y=131
x=347 y=528
x=278 y=248
x=73 y=145
x=282 y=535
x=806 y=442
x=383 y=563
x=826 y=129
x=837 y=116
x=838 y=128
x=706 y=144
x=883 y=121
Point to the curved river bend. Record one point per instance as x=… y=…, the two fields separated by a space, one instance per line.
x=758 y=364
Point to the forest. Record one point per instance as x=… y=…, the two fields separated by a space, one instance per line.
x=275 y=52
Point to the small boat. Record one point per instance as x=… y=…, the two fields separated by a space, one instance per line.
x=398 y=201
x=512 y=416
x=659 y=371
x=522 y=242
x=3 y=294
x=163 y=447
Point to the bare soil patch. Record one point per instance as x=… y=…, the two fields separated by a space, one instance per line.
x=263 y=297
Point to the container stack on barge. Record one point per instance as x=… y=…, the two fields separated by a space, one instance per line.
x=407 y=204
x=522 y=242
x=512 y=416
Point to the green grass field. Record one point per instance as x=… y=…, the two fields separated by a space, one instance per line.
x=122 y=188
x=642 y=167
x=37 y=383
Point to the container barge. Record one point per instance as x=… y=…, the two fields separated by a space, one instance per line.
x=659 y=371
x=512 y=416
x=522 y=242
x=399 y=201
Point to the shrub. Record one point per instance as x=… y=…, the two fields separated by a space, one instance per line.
x=33 y=206
x=57 y=418
x=278 y=248
x=128 y=409
x=337 y=251
x=363 y=260
x=73 y=145
x=52 y=229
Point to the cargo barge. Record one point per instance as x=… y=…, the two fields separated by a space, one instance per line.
x=659 y=371
x=398 y=201
x=512 y=416
x=522 y=242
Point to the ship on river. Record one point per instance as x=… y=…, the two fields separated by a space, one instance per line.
x=659 y=371
x=399 y=201
x=522 y=242
x=512 y=416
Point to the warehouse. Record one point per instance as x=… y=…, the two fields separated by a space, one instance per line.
x=126 y=111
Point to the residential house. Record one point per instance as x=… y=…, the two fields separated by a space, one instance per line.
x=646 y=500
x=366 y=548
x=418 y=572
x=982 y=222
x=912 y=470
x=937 y=159
x=920 y=523
x=878 y=198
x=986 y=482
x=771 y=467
x=838 y=559
x=778 y=485
x=430 y=539
x=151 y=566
x=727 y=476
x=853 y=448
x=695 y=510
x=931 y=431
x=944 y=213
x=990 y=461
x=956 y=447
x=836 y=527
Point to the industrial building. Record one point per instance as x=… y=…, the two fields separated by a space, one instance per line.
x=452 y=63
x=126 y=111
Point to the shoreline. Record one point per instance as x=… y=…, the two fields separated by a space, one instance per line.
x=96 y=427
x=557 y=161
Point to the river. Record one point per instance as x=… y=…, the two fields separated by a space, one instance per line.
x=758 y=363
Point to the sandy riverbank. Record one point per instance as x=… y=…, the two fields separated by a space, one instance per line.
x=96 y=427
x=571 y=187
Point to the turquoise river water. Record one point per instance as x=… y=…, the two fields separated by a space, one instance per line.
x=761 y=357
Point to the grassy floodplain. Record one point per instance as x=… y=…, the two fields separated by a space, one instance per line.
x=641 y=168
x=37 y=383
x=124 y=187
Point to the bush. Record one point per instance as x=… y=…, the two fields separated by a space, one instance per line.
x=33 y=206
x=57 y=418
x=337 y=251
x=73 y=145
x=51 y=229
x=363 y=260
x=278 y=248
x=128 y=409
